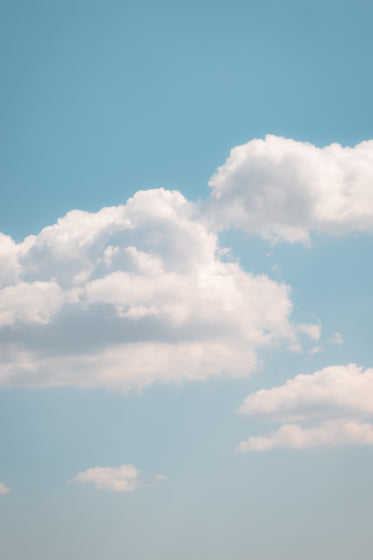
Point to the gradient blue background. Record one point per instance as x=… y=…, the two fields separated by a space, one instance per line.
x=98 y=100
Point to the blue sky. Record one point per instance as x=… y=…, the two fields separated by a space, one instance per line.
x=130 y=339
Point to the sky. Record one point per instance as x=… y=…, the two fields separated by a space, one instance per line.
x=186 y=209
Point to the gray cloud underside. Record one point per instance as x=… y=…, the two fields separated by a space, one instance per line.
x=143 y=292
x=133 y=294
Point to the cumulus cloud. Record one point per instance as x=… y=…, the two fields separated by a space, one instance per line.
x=4 y=489
x=133 y=294
x=341 y=391
x=123 y=479
x=332 y=404
x=282 y=189
x=328 y=434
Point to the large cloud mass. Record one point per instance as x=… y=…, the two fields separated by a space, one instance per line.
x=132 y=294
x=326 y=408
x=283 y=189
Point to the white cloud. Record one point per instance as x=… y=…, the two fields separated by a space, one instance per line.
x=339 y=391
x=123 y=479
x=30 y=302
x=4 y=489
x=312 y=331
x=334 y=433
x=331 y=403
x=283 y=189
x=133 y=294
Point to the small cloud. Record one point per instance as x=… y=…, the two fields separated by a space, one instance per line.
x=122 y=479
x=336 y=339
x=295 y=347
x=125 y=478
x=316 y=350
x=4 y=489
x=313 y=331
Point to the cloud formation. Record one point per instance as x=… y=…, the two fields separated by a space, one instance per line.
x=4 y=489
x=282 y=189
x=123 y=479
x=134 y=294
x=329 y=407
x=334 y=433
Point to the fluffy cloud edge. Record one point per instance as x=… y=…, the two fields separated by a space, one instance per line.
x=133 y=294
x=331 y=407
x=283 y=189
x=343 y=391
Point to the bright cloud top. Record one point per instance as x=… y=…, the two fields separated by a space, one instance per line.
x=4 y=489
x=130 y=295
x=326 y=408
x=283 y=189
x=123 y=479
